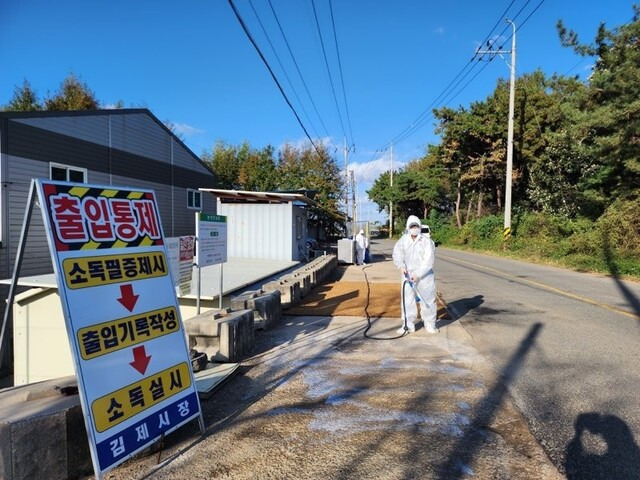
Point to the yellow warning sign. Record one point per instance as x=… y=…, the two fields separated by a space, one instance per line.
x=108 y=337
x=118 y=406
x=86 y=272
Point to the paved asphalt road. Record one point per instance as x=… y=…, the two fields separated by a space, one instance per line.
x=568 y=347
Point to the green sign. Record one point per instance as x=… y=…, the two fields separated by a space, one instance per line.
x=207 y=217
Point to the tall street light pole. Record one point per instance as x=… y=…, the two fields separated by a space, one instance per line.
x=512 y=100
x=391 y=201
x=346 y=189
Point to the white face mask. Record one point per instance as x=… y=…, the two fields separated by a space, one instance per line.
x=414 y=231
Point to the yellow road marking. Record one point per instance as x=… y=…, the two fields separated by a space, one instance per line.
x=546 y=287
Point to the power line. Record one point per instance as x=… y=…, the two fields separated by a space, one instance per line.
x=283 y=69
x=494 y=27
x=485 y=65
x=298 y=70
x=514 y=18
x=264 y=60
x=445 y=101
x=424 y=117
x=326 y=62
x=344 y=92
x=421 y=119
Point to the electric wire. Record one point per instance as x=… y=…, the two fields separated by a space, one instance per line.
x=344 y=92
x=275 y=79
x=494 y=27
x=295 y=93
x=326 y=62
x=422 y=119
x=304 y=83
x=485 y=65
x=428 y=109
x=444 y=101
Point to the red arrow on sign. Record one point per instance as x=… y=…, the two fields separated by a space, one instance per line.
x=140 y=359
x=127 y=298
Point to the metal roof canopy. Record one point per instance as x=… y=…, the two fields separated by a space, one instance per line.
x=243 y=196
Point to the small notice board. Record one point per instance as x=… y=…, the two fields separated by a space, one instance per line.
x=122 y=316
x=211 y=246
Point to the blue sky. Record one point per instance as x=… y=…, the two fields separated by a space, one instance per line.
x=191 y=63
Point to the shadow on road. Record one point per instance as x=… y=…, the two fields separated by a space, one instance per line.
x=602 y=448
x=465 y=449
x=609 y=258
x=459 y=308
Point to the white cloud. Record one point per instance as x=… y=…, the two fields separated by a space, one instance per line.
x=302 y=143
x=368 y=172
x=439 y=31
x=186 y=130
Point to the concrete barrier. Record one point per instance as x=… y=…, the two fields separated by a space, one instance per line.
x=225 y=336
x=289 y=291
x=42 y=433
x=266 y=306
x=305 y=281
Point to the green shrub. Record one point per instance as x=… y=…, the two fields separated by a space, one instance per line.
x=619 y=227
x=442 y=230
x=610 y=244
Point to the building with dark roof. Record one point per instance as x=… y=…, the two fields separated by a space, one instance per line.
x=128 y=148
x=125 y=148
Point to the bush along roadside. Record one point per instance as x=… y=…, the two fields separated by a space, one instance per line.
x=610 y=244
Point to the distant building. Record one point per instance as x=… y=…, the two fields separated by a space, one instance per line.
x=265 y=225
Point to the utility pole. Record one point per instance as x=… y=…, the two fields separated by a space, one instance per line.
x=512 y=96
x=353 y=195
x=346 y=188
x=391 y=201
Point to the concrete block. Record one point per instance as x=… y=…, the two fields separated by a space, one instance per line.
x=225 y=336
x=204 y=324
x=289 y=291
x=267 y=309
x=305 y=282
x=6 y=467
x=42 y=433
x=241 y=301
x=78 y=453
x=43 y=438
x=236 y=336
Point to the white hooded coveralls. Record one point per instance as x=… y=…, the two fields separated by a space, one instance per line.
x=418 y=257
x=361 y=246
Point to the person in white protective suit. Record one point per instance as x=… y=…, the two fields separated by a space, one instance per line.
x=361 y=246
x=414 y=254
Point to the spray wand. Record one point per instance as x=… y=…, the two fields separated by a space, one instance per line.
x=407 y=279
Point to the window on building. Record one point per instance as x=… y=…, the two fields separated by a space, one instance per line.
x=194 y=199
x=67 y=173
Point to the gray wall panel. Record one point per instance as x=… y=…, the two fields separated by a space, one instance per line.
x=91 y=129
x=182 y=158
x=140 y=150
x=37 y=258
x=141 y=135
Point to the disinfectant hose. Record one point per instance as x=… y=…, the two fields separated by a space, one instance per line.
x=366 y=311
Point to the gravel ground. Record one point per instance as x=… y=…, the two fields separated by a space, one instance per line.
x=319 y=400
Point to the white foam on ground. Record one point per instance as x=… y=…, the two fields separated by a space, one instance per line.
x=346 y=411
